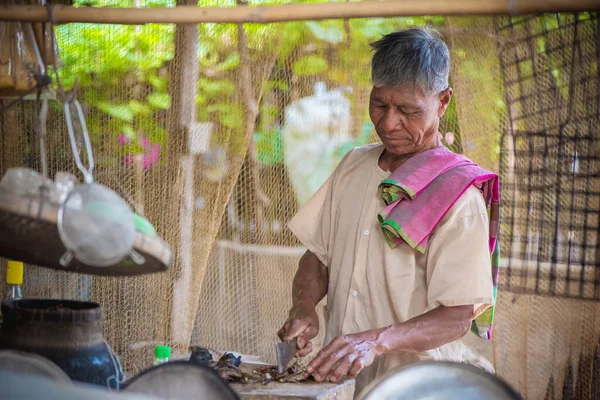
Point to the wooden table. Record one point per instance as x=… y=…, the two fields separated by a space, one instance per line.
x=311 y=390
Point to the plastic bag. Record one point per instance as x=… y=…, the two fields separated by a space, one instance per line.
x=314 y=128
x=18 y=52
x=22 y=46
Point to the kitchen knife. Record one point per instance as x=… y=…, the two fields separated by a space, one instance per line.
x=285 y=353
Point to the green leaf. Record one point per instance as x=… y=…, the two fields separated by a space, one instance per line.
x=159 y=100
x=230 y=63
x=282 y=85
x=158 y=82
x=310 y=65
x=542 y=44
x=139 y=108
x=220 y=88
x=128 y=130
x=233 y=119
x=121 y=111
x=329 y=31
x=222 y=107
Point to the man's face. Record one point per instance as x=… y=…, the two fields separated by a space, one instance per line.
x=407 y=121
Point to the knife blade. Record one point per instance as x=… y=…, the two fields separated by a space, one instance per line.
x=285 y=353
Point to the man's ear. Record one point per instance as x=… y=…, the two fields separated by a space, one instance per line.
x=444 y=101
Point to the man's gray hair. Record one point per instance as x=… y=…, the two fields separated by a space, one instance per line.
x=413 y=58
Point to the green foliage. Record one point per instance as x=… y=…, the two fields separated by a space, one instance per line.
x=159 y=100
x=120 y=111
x=327 y=31
x=123 y=76
x=269 y=147
x=310 y=65
x=120 y=71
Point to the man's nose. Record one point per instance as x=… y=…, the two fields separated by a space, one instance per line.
x=390 y=121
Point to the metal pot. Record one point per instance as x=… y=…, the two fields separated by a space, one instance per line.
x=68 y=333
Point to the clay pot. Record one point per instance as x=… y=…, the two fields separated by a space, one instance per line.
x=68 y=333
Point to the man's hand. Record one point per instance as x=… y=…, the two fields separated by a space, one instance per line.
x=346 y=355
x=302 y=324
x=349 y=354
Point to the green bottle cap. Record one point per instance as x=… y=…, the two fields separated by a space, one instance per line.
x=162 y=352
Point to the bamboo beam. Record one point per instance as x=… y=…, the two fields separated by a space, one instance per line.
x=291 y=12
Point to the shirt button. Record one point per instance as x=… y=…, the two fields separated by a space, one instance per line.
x=366 y=232
x=354 y=293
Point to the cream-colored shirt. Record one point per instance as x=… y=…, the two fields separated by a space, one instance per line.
x=372 y=285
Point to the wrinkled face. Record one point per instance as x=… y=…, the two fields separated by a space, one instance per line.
x=407 y=121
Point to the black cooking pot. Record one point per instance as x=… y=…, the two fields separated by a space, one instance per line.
x=69 y=333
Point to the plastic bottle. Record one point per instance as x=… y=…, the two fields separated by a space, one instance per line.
x=14 y=279
x=161 y=354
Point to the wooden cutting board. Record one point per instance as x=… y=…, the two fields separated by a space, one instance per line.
x=310 y=390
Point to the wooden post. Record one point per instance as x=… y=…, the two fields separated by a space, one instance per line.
x=184 y=81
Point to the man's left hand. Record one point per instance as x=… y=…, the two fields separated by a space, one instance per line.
x=346 y=355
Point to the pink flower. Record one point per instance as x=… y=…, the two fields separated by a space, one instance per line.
x=123 y=139
x=152 y=157
x=147 y=160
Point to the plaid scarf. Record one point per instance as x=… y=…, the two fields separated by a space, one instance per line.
x=421 y=191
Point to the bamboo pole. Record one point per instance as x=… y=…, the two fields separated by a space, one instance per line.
x=291 y=12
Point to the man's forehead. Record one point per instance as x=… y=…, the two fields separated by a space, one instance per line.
x=399 y=96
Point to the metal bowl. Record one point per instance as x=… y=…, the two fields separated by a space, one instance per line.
x=181 y=380
x=431 y=380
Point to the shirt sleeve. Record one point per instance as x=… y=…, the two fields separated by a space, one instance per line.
x=312 y=225
x=459 y=268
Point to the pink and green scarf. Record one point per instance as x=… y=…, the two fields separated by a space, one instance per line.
x=422 y=190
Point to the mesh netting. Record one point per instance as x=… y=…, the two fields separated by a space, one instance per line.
x=548 y=346
x=219 y=171
x=551 y=162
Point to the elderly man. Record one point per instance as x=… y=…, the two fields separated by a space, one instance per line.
x=399 y=236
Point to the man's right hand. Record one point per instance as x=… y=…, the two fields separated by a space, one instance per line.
x=302 y=324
